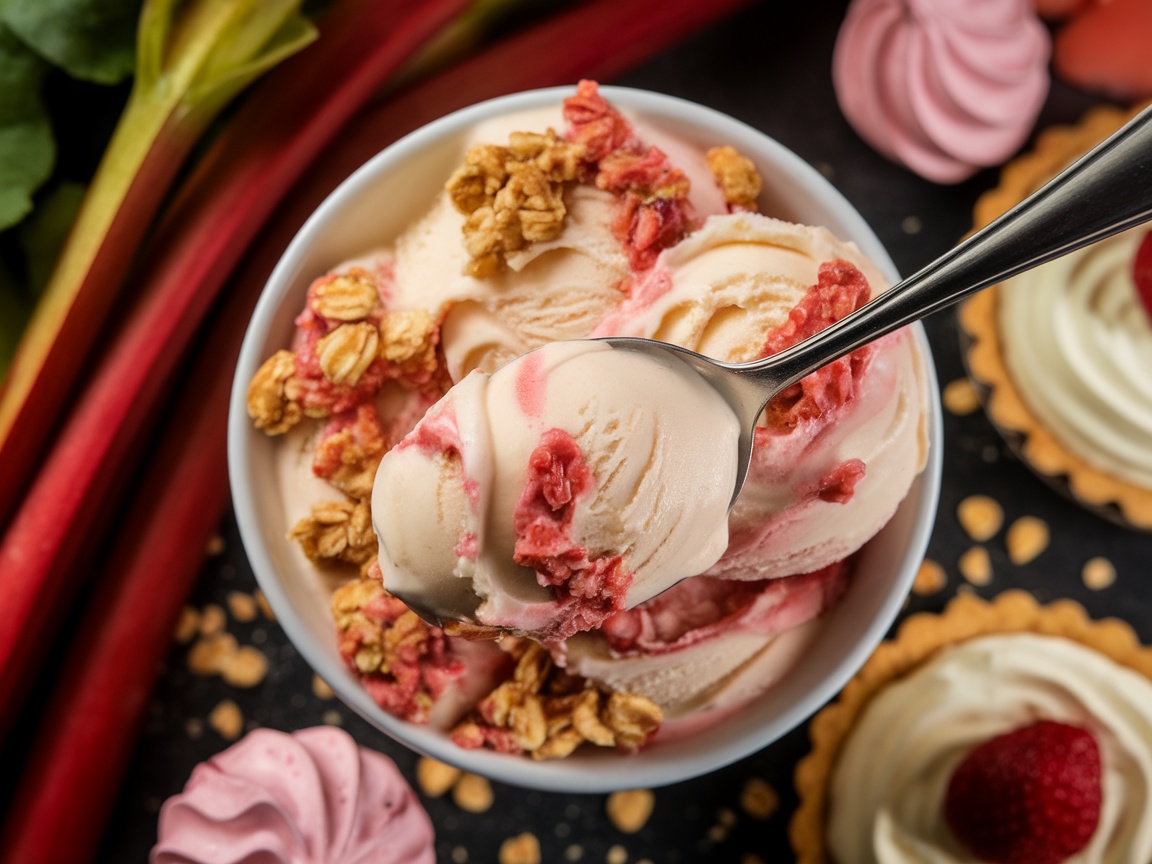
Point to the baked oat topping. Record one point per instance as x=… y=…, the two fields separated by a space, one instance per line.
x=980 y=516
x=1026 y=538
x=349 y=296
x=337 y=531
x=736 y=175
x=547 y=713
x=349 y=451
x=408 y=339
x=346 y=353
x=512 y=196
x=403 y=663
x=269 y=403
x=629 y=809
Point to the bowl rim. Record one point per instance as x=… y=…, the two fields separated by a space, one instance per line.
x=610 y=771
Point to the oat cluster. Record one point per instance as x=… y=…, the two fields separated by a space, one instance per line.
x=512 y=196
x=338 y=531
x=736 y=175
x=378 y=647
x=543 y=711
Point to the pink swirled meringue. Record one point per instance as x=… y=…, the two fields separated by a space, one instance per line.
x=310 y=797
x=943 y=87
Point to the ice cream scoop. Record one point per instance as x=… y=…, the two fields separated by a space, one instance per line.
x=555 y=492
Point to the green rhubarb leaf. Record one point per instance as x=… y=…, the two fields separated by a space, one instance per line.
x=27 y=149
x=93 y=40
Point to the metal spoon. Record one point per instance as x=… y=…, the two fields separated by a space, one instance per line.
x=1105 y=192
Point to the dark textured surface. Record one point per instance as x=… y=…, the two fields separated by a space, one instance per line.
x=768 y=66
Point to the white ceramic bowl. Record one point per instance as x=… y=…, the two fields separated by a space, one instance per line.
x=361 y=214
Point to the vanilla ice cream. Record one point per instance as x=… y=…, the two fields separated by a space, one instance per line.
x=547 y=491
x=577 y=481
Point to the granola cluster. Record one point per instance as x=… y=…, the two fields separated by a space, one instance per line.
x=512 y=196
x=403 y=663
x=736 y=175
x=547 y=713
x=337 y=532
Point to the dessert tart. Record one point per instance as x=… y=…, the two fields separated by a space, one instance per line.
x=1060 y=354
x=897 y=762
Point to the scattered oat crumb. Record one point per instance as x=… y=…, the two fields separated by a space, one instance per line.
x=522 y=849
x=332 y=718
x=209 y=654
x=214 y=546
x=1098 y=573
x=717 y=833
x=617 y=854
x=472 y=793
x=758 y=799
x=751 y=858
x=227 y=720
x=976 y=566
x=912 y=225
x=960 y=397
x=242 y=606
x=262 y=602
x=980 y=516
x=212 y=619
x=930 y=578
x=575 y=852
x=435 y=777
x=187 y=625
x=321 y=688
x=727 y=817
x=629 y=809
x=459 y=855
x=246 y=668
x=194 y=728
x=1027 y=537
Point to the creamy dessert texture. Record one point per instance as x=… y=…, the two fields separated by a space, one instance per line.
x=537 y=496
x=1078 y=343
x=922 y=726
x=1062 y=350
x=1007 y=731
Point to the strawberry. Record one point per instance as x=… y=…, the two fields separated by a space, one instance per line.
x=1104 y=48
x=1032 y=794
x=1142 y=273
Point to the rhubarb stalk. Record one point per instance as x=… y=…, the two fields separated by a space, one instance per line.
x=97 y=706
x=192 y=58
x=266 y=147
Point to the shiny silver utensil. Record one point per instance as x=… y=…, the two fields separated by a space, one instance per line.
x=1106 y=191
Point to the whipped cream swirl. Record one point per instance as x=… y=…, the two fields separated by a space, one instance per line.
x=944 y=87
x=311 y=797
x=1078 y=345
x=891 y=777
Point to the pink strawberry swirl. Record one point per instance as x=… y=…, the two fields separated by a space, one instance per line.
x=943 y=87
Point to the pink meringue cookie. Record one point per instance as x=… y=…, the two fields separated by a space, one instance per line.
x=943 y=87
x=310 y=797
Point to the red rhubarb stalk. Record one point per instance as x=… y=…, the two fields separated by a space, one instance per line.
x=84 y=742
x=265 y=148
x=192 y=58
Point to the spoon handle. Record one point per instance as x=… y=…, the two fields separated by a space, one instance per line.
x=1106 y=191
